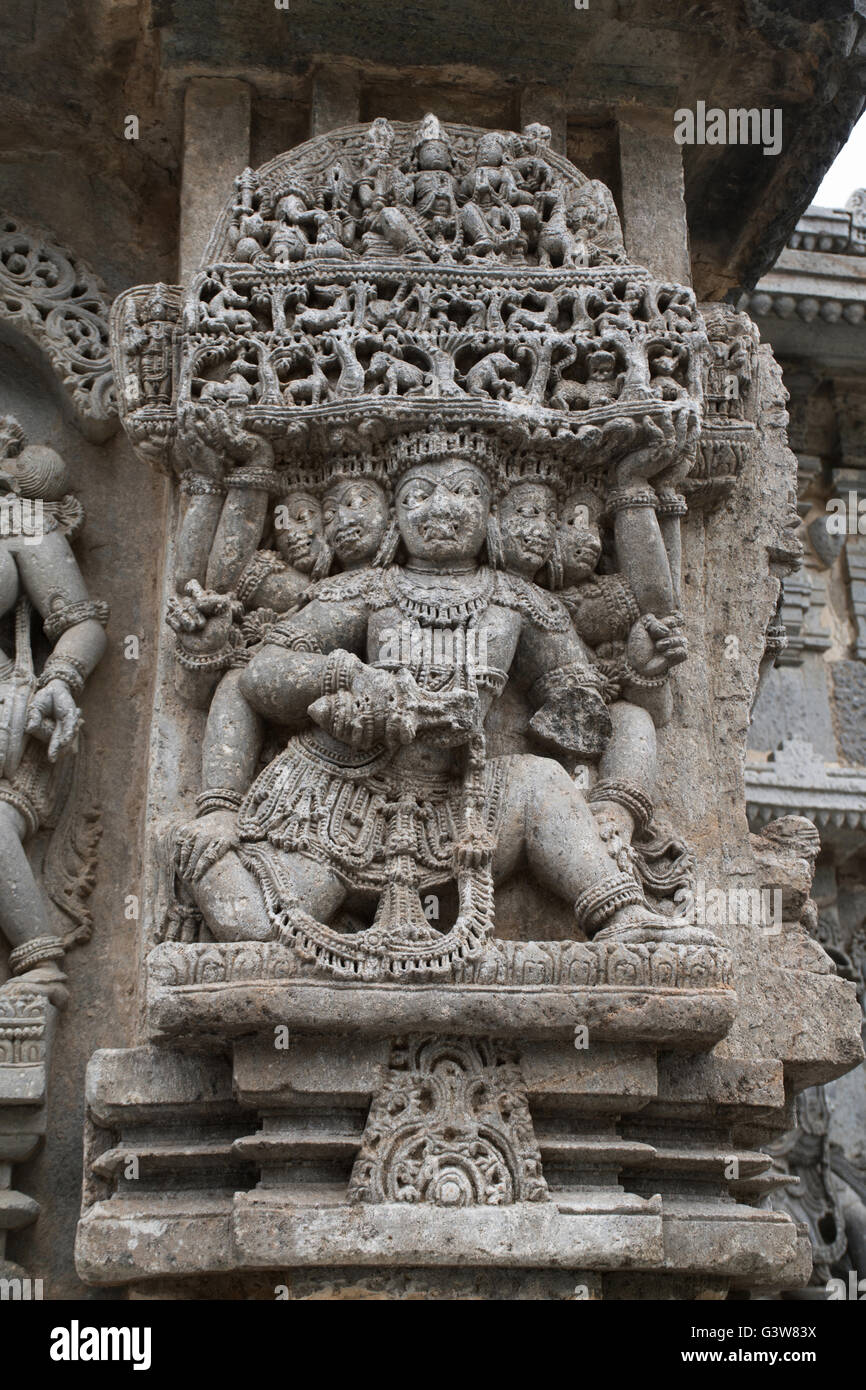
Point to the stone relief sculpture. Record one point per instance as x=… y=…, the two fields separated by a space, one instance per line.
x=41 y=681
x=455 y=393
x=436 y=442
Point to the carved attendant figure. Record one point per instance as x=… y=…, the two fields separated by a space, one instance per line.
x=39 y=714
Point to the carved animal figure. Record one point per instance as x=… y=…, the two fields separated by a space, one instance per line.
x=312 y=389
x=557 y=244
x=322 y=320
x=536 y=320
x=236 y=386
x=569 y=395
x=228 y=309
x=396 y=377
x=493 y=376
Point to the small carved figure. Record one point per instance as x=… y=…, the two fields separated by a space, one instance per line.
x=494 y=376
x=489 y=217
x=396 y=377
x=150 y=337
x=729 y=370
x=290 y=238
x=39 y=714
x=417 y=214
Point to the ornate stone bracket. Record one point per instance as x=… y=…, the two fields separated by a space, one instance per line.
x=54 y=301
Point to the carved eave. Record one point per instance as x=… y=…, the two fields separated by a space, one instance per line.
x=742 y=205
x=52 y=304
x=796 y=781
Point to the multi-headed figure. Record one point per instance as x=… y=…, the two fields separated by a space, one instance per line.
x=384 y=789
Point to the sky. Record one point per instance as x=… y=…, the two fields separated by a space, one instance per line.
x=847 y=172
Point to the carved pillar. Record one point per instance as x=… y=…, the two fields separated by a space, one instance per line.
x=653 y=199
x=849 y=485
x=27 y=1023
x=216 y=147
x=336 y=99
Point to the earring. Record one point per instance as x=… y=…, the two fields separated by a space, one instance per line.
x=387 y=546
x=495 y=551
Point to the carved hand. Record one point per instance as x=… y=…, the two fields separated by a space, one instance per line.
x=679 y=460
x=666 y=444
x=54 y=718
x=202 y=618
x=655 y=645
x=198 y=448
x=202 y=843
x=375 y=710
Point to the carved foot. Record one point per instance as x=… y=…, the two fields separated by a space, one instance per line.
x=47 y=979
x=634 y=926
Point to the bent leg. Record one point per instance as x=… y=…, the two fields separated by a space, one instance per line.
x=232 y=740
x=547 y=817
x=22 y=909
x=231 y=900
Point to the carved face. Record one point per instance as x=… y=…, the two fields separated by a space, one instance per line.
x=665 y=366
x=490 y=151
x=298 y=528
x=442 y=511
x=602 y=367
x=579 y=541
x=528 y=524
x=355 y=515
x=434 y=154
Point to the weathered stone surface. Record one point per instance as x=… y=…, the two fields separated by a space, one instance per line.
x=434 y=920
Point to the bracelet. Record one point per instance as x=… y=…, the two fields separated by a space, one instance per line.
x=218 y=799
x=671 y=502
x=595 y=905
x=281 y=636
x=631 y=677
x=30 y=953
x=554 y=683
x=55 y=623
x=263 y=563
x=338 y=671
x=67 y=669
x=622 y=498
x=260 y=479
x=199 y=485
x=204 y=661
x=627 y=794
